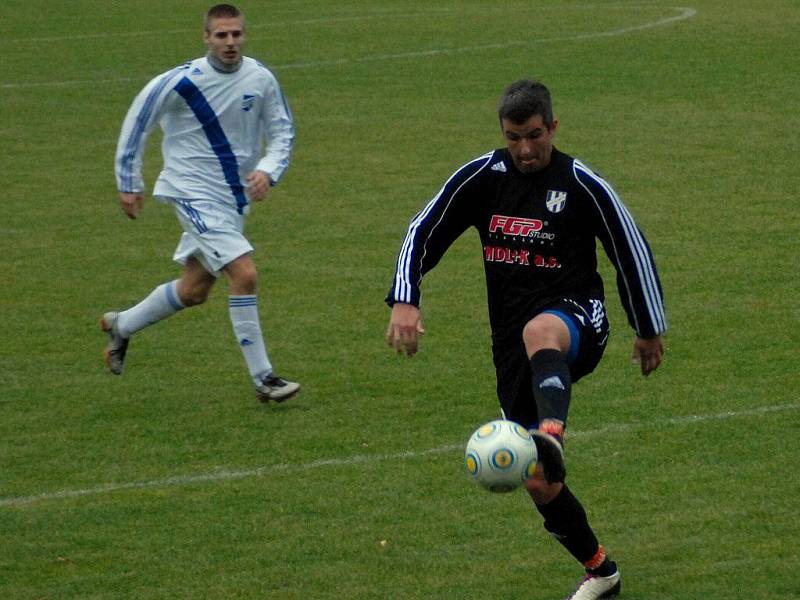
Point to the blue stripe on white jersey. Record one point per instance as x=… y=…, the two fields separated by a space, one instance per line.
x=403 y=288
x=194 y=216
x=637 y=247
x=216 y=137
x=140 y=127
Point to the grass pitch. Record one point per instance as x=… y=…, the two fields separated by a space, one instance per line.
x=171 y=482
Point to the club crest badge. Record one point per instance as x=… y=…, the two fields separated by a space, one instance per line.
x=247 y=102
x=555 y=201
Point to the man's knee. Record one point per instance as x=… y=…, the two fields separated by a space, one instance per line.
x=242 y=275
x=195 y=283
x=193 y=293
x=545 y=331
x=533 y=330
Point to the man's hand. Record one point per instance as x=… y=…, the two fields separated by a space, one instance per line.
x=258 y=185
x=405 y=327
x=648 y=352
x=131 y=203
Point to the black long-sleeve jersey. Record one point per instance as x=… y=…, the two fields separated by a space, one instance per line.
x=538 y=233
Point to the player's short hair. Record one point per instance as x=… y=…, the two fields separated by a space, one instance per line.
x=222 y=11
x=523 y=99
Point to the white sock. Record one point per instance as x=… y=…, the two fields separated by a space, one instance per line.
x=247 y=328
x=162 y=302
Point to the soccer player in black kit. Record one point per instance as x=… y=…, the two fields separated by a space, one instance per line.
x=538 y=212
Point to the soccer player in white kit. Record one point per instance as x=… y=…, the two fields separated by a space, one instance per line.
x=216 y=113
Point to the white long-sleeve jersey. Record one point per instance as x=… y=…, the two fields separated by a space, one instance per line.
x=215 y=128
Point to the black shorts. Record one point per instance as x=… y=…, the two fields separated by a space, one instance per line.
x=589 y=329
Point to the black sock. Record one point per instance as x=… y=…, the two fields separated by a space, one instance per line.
x=605 y=569
x=552 y=384
x=566 y=521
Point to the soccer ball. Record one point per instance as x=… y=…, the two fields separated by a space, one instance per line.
x=500 y=456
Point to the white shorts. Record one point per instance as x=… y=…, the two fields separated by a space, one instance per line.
x=213 y=233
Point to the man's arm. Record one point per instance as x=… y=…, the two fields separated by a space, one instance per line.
x=627 y=249
x=141 y=119
x=433 y=230
x=637 y=278
x=429 y=235
x=279 y=124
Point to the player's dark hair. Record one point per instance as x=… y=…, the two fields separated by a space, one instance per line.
x=523 y=99
x=222 y=11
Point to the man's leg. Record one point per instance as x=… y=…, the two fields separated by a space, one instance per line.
x=243 y=309
x=548 y=342
x=565 y=519
x=190 y=289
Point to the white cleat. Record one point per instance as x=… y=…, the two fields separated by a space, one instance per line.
x=593 y=587
x=276 y=388
x=117 y=346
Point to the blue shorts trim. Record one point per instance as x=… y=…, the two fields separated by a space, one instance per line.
x=574 y=333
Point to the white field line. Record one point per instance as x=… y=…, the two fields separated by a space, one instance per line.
x=226 y=475
x=250 y=27
x=683 y=13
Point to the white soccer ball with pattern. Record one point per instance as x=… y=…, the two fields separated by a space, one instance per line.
x=500 y=456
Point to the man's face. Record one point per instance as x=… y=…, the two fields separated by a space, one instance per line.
x=225 y=38
x=530 y=143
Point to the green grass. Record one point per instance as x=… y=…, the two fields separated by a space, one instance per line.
x=170 y=482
